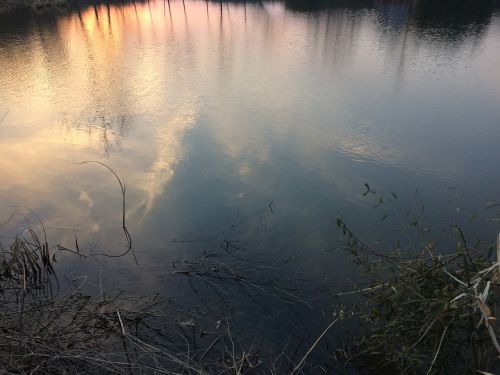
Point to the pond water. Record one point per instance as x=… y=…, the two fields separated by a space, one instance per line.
x=258 y=120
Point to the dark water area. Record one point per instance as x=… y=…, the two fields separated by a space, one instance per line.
x=246 y=129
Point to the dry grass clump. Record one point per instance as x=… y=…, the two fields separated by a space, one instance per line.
x=426 y=313
x=47 y=330
x=44 y=331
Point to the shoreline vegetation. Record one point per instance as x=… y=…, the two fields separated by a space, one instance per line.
x=428 y=311
x=423 y=312
x=36 y=5
x=422 y=309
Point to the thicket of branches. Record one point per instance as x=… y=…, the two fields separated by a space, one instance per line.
x=429 y=307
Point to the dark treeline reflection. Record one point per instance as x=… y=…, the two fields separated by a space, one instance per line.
x=452 y=14
x=455 y=17
x=448 y=20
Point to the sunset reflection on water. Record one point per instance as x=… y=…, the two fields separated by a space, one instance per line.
x=209 y=110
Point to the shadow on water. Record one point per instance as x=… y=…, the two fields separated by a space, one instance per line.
x=456 y=18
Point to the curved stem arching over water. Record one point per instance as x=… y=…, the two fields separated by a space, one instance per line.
x=124 y=226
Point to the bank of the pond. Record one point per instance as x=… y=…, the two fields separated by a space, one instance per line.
x=424 y=313
x=48 y=6
x=37 y=5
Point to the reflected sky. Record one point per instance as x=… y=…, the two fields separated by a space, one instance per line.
x=209 y=111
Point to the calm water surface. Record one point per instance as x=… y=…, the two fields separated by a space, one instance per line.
x=211 y=111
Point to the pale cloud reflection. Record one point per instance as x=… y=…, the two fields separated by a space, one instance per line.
x=168 y=149
x=38 y=173
x=74 y=90
x=266 y=90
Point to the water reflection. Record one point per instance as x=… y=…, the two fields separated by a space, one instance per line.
x=210 y=109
